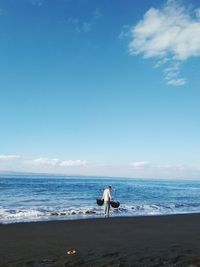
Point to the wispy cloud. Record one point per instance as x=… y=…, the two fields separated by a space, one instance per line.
x=73 y=163
x=2 y=12
x=55 y=162
x=177 y=81
x=79 y=25
x=126 y=32
x=198 y=12
x=9 y=157
x=44 y=161
x=137 y=168
x=97 y=14
x=140 y=164
x=171 y=35
x=85 y=26
x=37 y=2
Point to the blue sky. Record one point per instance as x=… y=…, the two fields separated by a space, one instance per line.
x=100 y=87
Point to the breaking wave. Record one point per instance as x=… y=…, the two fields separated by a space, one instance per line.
x=46 y=214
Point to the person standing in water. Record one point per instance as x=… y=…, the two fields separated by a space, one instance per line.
x=107 y=198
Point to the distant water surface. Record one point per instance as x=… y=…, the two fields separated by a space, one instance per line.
x=25 y=198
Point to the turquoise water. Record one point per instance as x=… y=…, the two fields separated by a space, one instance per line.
x=25 y=198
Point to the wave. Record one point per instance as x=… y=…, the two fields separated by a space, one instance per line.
x=46 y=213
x=29 y=215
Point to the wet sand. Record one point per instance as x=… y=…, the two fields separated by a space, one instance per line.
x=137 y=241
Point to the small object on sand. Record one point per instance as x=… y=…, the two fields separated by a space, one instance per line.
x=100 y=202
x=114 y=204
x=71 y=252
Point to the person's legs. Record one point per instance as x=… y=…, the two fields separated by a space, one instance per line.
x=107 y=208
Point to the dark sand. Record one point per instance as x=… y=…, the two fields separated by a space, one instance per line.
x=140 y=241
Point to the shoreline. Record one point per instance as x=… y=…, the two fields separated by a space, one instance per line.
x=161 y=240
x=99 y=218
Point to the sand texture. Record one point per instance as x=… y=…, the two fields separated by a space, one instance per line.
x=121 y=242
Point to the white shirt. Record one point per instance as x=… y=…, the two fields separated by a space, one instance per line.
x=106 y=195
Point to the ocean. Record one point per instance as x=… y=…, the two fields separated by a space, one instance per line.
x=28 y=198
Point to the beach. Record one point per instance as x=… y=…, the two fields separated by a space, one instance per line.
x=172 y=240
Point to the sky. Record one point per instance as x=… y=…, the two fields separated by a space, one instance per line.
x=104 y=88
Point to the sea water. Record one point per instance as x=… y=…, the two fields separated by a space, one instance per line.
x=26 y=198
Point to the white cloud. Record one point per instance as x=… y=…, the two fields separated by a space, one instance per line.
x=73 y=163
x=135 y=169
x=9 y=157
x=140 y=164
x=55 y=162
x=177 y=82
x=170 y=34
x=45 y=161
